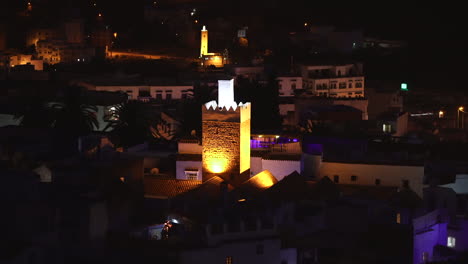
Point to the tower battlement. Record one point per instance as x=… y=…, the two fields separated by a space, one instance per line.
x=232 y=113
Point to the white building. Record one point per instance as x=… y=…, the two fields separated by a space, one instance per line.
x=146 y=92
x=49 y=51
x=288 y=85
x=367 y=174
x=23 y=59
x=345 y=80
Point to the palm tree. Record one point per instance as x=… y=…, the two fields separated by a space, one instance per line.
x=73 y=115
x=35 y=113
x=130 y=121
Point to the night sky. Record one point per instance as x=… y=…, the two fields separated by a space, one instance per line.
x=435 y=34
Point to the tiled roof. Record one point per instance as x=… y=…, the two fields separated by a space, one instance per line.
x=210 y=189
x=167 y=188
x=259 y=182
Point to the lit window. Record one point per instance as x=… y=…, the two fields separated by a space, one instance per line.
x=404 y=86
x=441 y=114
x=228 y=260
x=342 y=85
x=398 y=218
x=387 y=128
x=358 y=85
x=450 y=242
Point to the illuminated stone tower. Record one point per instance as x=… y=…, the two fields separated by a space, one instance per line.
x=204 y=42
x=226 y=137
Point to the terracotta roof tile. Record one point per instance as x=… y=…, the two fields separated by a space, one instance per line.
x=257 y=183
x=167 y=188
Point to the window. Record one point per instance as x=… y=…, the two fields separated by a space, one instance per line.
x=342 y=85
x=293 y=86
x=353 y=178
x=398 y=218
x=259 y=249
x=159 y=95
x=359 y=85
x=336 y=179
x=229 y=260
x=191 y=174
x=339 y=73
x=168 y=95
x=451 y=242
x=377 y=181
x=387 y=128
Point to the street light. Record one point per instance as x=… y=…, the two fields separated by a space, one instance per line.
x=460 y=109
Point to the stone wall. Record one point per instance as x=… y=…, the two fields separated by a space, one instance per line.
x=221 y=149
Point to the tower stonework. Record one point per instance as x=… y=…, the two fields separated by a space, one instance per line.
x=226 y=139
x=204 y=42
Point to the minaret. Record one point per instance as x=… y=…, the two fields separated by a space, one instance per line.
x=204 y=42
x=226 y=137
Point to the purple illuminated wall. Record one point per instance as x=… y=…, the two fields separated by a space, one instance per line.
x=313 y=149
x=424 y=241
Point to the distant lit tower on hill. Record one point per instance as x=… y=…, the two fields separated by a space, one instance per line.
x=207 y=58
x=204 y=42
x=226 y=137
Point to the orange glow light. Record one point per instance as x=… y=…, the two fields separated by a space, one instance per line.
x=263 y=179
x=217 y=165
